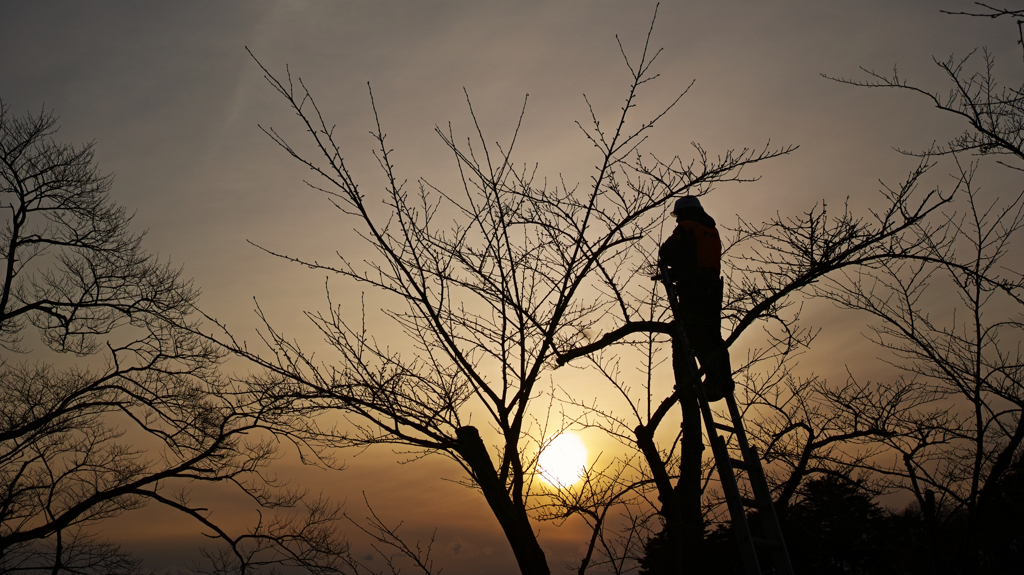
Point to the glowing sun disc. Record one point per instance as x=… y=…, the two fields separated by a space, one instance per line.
x=563 y=461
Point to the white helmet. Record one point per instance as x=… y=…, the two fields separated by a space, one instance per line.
x=685 y=202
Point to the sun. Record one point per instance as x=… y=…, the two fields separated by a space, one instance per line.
x=563 y=461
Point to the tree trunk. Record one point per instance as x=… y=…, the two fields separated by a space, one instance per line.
x=513 y=519
x=683 y=533
x=687 y=496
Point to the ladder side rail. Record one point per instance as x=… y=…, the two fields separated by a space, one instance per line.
x=759 y=483
x=741 y=528
x=734 y=501
x=726 y=474
x=733 y=498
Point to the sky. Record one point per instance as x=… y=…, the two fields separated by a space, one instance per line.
x=174 y=102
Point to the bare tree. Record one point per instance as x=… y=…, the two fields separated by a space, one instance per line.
x=769 y=267
x=963 y=438
x=131 y=410
x=491 y=301
x=958 y=447
x=881 y=264
x=996 y=12
x=530 y=277
x=76 y=553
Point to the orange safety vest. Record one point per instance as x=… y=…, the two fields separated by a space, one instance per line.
x=707 y=245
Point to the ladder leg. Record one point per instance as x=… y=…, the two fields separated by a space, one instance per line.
x=725 y=465
x=759 y=484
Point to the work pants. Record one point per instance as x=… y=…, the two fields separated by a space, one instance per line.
x=701 y=310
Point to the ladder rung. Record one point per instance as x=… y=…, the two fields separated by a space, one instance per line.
x=762 y=542
x=725 y=428
x=740 y=464
x=759 y=504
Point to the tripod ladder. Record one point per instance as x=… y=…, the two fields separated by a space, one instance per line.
x=747 y=463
